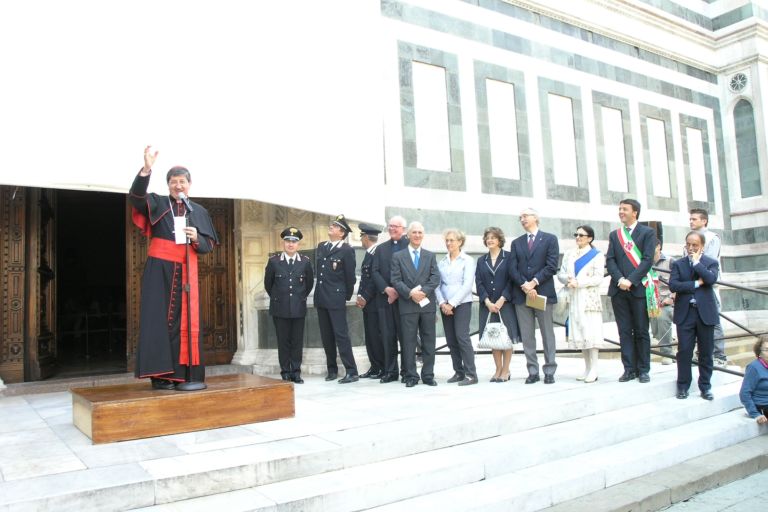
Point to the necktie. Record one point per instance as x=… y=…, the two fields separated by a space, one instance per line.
x=290 y=262
x=530 y=241
x=416 y=258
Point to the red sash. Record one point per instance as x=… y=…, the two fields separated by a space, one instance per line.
x=171 y=251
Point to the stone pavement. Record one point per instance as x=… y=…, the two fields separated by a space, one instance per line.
x=745 y=495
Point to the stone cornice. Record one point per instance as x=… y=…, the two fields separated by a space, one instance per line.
x=709 y=41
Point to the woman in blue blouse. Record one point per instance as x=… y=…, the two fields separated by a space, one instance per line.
x=454 y=296
x=754 y=387
x=494 y=293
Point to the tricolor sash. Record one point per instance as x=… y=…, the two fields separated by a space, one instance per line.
x=651 y=279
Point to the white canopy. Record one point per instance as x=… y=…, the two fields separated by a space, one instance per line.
x=266 y=100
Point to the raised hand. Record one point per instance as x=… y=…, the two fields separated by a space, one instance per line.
x=149 y=160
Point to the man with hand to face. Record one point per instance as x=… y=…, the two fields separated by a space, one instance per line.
x=415 y=276
x=695 y=313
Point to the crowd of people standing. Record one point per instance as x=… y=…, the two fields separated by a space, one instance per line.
x=403 y=285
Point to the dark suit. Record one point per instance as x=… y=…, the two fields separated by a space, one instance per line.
x=540 y=263
x=288 y=286
x=695 y=316
x=367 y=290
x=629 y=307
x=493 y=283
x=335 y=285
x=414 y=318
x=389 y=314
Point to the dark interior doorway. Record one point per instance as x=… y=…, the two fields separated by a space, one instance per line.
x=90 y=280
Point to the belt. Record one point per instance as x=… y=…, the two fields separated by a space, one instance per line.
x=694 y=305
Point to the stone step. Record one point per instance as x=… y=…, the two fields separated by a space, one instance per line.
x=476 y=425
x=566 y=479
x=678 y=483
x=381 y=483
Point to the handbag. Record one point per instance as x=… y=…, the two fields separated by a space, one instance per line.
x=495 y=336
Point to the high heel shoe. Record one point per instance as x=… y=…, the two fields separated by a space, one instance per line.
x=503 y=379
x=495 y=379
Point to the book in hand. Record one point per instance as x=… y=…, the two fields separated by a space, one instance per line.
x=539 y=302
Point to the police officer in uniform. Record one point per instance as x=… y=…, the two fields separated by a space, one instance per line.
x=288 y=279
x=366 y=295
x=335 y=285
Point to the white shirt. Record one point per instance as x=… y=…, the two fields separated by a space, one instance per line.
x=456 y=279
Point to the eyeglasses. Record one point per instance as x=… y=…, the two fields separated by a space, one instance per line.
x=579 y=235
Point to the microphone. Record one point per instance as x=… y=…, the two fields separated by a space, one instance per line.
x=185 y=200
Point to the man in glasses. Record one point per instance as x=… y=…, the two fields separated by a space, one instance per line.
x=533 y=263
x=386 y=296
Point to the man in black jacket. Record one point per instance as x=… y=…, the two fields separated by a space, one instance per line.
x=288 y=279
x=335 y=285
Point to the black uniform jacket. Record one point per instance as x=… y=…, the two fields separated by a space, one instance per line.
x=288 y=286
x=335 y=275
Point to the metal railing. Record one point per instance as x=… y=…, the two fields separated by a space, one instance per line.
x=439 y=350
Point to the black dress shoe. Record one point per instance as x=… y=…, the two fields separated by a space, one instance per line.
x=349 y=378
x=531 y=379
x=286 y=376
x=163 y=384
x=707 y=395
x=367 y=375
x=377 y=375
x=456 y=378
x=644 y=378
x=429 y=382
x=627 y=376
x=331 y=376
x=297 y=379
x=410 y=383
x=388 y=378
x=682 y=394
x=549 y=379
x=469 y=381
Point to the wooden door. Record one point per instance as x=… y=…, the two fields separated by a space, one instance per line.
x=13 y=265
x=217 y=286
x=41 y=284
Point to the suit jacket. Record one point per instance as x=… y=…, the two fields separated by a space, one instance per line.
x=367 y=288
x=405 y=278
x=493 y=283
x=619 y=265
x=335 y=275
x=288 y=286
x=381 y=270
x=681 y=282
x=540 y=263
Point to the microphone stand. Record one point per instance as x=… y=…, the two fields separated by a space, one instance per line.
x=189 y=384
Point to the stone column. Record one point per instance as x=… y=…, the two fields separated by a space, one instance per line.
x=252 y=239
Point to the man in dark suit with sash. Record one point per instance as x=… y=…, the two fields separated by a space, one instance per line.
x=415 y=276
x=366 y=301
x=633 y=289
x=288 y=279
x=386 y=296
x=695 y=313
x=335 y=285
x=532 y=265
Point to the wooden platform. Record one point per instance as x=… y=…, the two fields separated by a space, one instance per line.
x=136 y=411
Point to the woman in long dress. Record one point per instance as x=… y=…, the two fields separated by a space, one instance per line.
x=582 y=273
